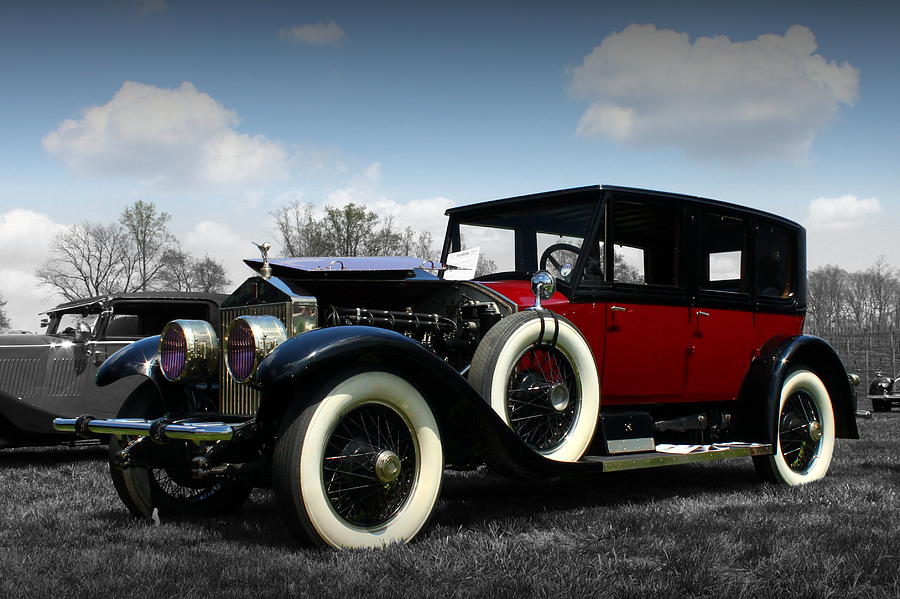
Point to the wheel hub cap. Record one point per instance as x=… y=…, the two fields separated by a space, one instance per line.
x=387 y=466
x=559 y=397
x=815 y=430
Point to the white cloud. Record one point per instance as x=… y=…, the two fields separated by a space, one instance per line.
x=837 y=214
x=167 y=137
x=764 y=98
x=24 y=239
x=316 y=34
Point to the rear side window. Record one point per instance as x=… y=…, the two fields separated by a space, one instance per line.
x=775 y=261
x=723 y=253
x=646 y=242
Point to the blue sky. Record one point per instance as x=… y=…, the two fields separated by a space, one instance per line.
x=236 y=108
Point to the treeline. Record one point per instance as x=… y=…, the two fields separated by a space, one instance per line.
x=351 y=230
x=853 y=302
x=137 y=252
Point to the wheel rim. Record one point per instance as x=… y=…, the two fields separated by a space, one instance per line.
x=800 y=431
x=542 y=399
x=176 y=489
x=370 y=465
x=179 y=485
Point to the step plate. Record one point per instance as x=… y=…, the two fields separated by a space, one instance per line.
x=613 y=463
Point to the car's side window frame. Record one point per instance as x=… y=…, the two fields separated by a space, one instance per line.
x=719 y=297
x=609 y=288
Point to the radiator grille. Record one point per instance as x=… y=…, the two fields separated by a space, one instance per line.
x=236 y=399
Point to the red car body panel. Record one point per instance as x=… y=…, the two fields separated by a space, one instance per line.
x=664 y=354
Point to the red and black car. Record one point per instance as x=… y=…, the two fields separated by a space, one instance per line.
x=621 y=328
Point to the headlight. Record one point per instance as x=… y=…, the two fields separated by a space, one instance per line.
x=188 y=350
x=249 y=340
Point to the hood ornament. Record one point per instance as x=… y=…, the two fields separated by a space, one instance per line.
x=265 y=270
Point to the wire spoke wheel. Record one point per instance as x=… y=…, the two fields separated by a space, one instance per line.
x=542 y=397
x=800 y=431
x=369 y=465
x=806 y=432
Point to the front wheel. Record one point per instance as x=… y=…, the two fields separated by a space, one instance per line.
x=172 y=491
x=362 y=465
x=805 y=432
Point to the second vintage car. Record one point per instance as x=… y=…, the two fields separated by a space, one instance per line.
x=52 y=374
x=622 y=329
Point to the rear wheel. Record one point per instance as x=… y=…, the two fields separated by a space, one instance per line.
x=173 y=492
x=362 y=465
x=806 y=432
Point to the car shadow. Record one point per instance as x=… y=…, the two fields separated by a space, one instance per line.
x=479 y=497
x=475 y=498
x=25 y=456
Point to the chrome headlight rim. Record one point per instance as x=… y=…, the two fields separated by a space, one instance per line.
x=201 y=351
x=265 y=334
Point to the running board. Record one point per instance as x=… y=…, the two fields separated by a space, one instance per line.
x=653 y=459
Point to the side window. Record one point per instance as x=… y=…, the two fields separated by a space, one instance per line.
x=723 y=253
x=646 y=242
x=774 y=261
x=124 y=325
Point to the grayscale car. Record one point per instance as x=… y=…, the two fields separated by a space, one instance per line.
x=49 y=375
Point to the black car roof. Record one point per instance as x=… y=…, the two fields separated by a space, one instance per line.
x=491 y=205
x=216 y=298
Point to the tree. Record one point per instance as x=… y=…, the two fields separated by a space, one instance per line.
x=352 y=230
x=183 y=272
x=4 y=319
x=149 y=237
x=87 y=260
x=351 y=227
x=827 y=298
x=299 y=233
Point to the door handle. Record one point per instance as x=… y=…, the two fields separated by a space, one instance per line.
x=702 y=313
x=617 y=308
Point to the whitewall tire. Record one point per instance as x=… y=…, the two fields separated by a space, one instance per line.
x=539 y=375
x=362 y=466
x=806 y=431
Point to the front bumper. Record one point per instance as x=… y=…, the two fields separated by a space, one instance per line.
x=160 y=430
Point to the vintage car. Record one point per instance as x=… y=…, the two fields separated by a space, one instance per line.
x=884 y=392
x=624 y=329
x=52 y=375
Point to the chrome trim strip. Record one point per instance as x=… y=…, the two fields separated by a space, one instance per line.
x=137 y=427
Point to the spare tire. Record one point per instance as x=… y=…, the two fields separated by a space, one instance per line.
x=538 y=373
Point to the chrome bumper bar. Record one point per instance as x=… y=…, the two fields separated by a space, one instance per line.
x=160 y=430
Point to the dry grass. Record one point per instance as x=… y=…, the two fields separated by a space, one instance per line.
x=702 y=531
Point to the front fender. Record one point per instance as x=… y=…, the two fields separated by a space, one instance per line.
x=465 y=419
x=142 y=358
x=766 y=376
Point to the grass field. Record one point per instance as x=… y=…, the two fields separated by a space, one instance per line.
x=704 y=531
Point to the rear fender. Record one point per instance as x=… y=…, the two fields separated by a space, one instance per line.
x=466 y=421
x=758 y=403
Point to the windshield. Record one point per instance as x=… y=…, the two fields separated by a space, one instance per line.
x=67 y=323
x=543 y=234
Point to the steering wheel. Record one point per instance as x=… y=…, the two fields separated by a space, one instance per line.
x=547 y=256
